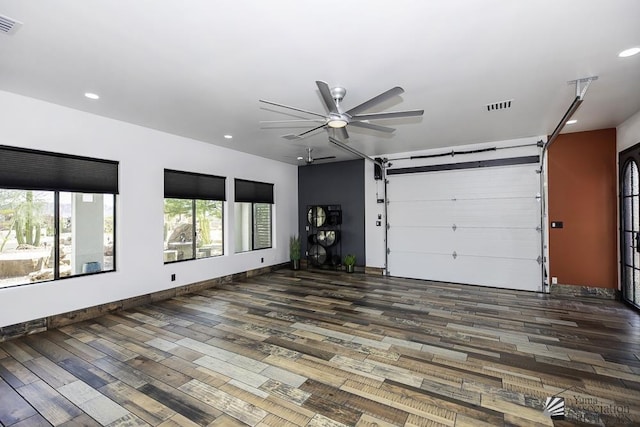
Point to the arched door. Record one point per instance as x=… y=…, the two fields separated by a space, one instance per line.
x=630 y=225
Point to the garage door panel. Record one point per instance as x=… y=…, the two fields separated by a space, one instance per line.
x=483 y=271
x=418 y=266
x=523 y=213
x=523 y=243
x=472 y=242
x=495 y=239
x=425 y=239
x=468 y=241
x=445 y=185
x=490 y=182
x=499 y=273
x=423 y=212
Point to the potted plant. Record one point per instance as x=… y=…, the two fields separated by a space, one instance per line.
x=350 y=262
x=294 y=252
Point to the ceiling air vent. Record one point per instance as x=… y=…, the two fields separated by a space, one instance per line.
x=502 y=105
x=8 y=25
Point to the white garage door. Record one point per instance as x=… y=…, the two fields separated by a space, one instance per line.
x=474 y=226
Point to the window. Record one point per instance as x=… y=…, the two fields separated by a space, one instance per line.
x=193 y=217
x=253 y=215
x=57 y=216
x=86 y=233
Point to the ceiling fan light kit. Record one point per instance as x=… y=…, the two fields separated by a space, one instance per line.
x=337 y=122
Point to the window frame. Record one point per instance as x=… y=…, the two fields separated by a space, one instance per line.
x=254 y=226
x=195 y=187
x=255 y=193
x=25 y=169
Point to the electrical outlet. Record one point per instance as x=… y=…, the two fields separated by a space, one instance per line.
x=554 y=280
x=173 y=277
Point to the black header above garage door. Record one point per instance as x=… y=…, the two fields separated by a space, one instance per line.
x=467 y=165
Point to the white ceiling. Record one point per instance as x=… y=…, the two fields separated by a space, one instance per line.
x=197 y=68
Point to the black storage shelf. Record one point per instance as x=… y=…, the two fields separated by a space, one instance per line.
x=324 y=240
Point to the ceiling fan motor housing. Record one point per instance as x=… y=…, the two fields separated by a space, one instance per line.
x=338 y=93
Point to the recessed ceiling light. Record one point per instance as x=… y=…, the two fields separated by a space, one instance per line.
x=92 y=95
x=570 y=122
x=629 y=52
x=300 y=158
x=228 y=136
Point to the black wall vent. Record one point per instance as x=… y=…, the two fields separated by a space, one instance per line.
x=501 y=105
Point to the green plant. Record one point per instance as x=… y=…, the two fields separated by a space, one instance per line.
x=28 y=220
x=349 y=259
x=294 y=248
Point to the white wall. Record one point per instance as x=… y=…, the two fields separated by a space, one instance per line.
x=375 y=244
x=628 y=133
x=143 y=154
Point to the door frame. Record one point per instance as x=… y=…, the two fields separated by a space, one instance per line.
x=624 y=157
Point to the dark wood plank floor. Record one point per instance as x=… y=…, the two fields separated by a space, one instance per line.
x=329 y=349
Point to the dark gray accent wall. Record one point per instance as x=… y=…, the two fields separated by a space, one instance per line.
x=339 y=183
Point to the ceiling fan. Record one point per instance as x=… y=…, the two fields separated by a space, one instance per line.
x=338 y=119
x=308 y=159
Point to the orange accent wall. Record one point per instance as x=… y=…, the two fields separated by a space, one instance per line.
x=582 y=180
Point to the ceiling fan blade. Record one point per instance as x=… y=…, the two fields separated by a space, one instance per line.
x=326 y=97
x=292 y=121
x=312 y=129
x=343 y=133
x=389 y=115
x=372 y=126
x=376 y=100
x=292 y=108
x=323 y=158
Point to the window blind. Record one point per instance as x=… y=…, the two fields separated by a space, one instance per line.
x=254 y=192
x=26 y=169
x=189 y=185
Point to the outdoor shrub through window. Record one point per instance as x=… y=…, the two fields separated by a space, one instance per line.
x=179 y=232
x=27 y=236
x=28 y=240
